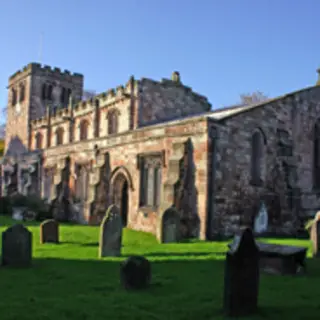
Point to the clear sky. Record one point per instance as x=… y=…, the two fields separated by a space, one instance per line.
x=221 y=48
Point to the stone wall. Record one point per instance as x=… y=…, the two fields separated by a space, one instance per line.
x=294 y=114
x=18 y=115
x=124 y=150
x=168 y=100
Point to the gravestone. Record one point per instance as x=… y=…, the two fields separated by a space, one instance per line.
x=241 y=278
x=170 y=224
x=135 y=273
x=261 y=220
x=111 y=233
x=49 y=231
x=17 y=246
x=315 y=238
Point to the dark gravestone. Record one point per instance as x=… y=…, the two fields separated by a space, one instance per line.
x=315 y=238
x=49 y=231
x=111 y=233
x=135 y=273
x=17 y=246
x=241 y=285
x=170 y=225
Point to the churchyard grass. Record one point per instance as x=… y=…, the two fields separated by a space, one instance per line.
x=68 y=281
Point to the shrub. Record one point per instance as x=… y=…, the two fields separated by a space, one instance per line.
x=33 y=203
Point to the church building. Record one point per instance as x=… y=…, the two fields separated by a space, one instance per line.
x=148 y=145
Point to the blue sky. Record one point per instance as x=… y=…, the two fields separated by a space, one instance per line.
x=221 y=48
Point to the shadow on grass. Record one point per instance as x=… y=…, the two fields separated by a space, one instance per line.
x=81 y=244
x=182 y=254
x=181 y=289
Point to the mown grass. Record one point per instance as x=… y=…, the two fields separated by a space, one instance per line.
x=68 y=281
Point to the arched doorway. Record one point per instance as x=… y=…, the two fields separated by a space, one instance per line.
x=121 y=196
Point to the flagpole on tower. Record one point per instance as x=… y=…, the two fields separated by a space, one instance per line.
x=40 y=48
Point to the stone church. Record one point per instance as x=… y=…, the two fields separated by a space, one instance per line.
x=150 y=145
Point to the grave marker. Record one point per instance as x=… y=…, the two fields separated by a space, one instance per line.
x=111 y=233
x=242 y=274
x=17 y=246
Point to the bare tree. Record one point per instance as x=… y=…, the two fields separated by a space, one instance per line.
x=252 y=98
x=88 y=94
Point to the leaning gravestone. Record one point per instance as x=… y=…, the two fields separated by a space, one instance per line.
x=17 y=246
x=111 y=233
x=170 y=225
x=49 y=231
x=315 y=238
x=241 y=279
x=261 y=220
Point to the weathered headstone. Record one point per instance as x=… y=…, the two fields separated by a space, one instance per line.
x=135 y=273
x=170 y=226
x=49 y=231
x=261 y=220
x=17 y=246
x=315 y=238
x=111 y=233
x=241 y=283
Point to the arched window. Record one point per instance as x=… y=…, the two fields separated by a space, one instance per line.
x=81 y=183
x=316 y=156
x=49 y=92
x=44 y=92
x=22 y=92
x=257 y=153
x=68 y=95
x=84 y=127
x=112 y=122
x=59 y=136
x=13 y=97
x=63 y=99
x=39 y=141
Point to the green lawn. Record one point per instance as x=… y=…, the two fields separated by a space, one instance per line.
x=68 y=281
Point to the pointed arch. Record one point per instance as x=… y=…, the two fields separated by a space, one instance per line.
x=83 y=129
x=39 y=141
x=123 y=170
x=59 y=136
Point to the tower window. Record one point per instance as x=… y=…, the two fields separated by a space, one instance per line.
x=22 y=92
x=44 y=92
x=49 y=92
x=63 y=95
x=13 y=97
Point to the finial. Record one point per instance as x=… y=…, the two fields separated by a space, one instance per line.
x=176 y=77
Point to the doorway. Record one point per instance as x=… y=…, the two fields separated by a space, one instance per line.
x=121 y=196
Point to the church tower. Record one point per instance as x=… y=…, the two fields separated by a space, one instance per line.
x=33 y=89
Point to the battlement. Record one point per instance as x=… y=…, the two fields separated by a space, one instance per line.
x=61 y=115
x=38 y=68
x=102 y=100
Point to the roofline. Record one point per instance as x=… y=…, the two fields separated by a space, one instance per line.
x=264 y=103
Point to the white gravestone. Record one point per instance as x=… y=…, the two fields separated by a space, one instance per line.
x=261 y=220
